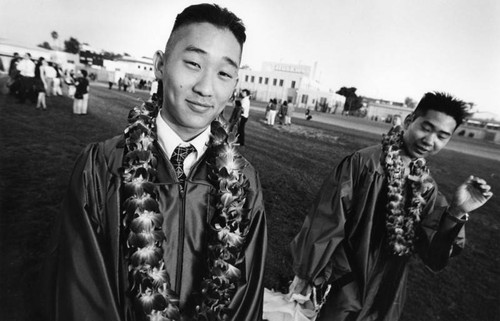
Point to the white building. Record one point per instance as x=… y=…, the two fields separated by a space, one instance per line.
x=292 y=82
x=67 y=61
x=140 y=68
x=384 y=110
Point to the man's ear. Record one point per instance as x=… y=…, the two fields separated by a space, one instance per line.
x=408 y=120
x=158 y=64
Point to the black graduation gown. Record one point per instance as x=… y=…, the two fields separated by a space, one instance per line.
x=86 y=276
x=343 y=239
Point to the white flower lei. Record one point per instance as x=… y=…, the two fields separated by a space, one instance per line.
x=400 y=216
x=142 y=221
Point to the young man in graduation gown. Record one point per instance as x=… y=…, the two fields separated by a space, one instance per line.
x=377 y=209
x=167 y=222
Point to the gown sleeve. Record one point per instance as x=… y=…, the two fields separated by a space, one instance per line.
x=81 y=266
x=323 y=228
x=247 y=303
x=435 y=245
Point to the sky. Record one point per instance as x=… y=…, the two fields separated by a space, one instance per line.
x=387 y=49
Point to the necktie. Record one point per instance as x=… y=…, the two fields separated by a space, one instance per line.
x=178 y=156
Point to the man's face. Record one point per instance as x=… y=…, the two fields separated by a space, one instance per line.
x=427 y=134
x=199 y=73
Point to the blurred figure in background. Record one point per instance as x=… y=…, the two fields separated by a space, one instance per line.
x=26 y=69
x=41 y=83
x=81 y=99
x=245 y=105
x=14 y=77
x=289 y=114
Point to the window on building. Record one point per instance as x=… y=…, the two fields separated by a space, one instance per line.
x=246 y=78
x=145 y=68
x=139 y=67
x=253 y=79
x=150 y=68
x=266 y=81
x=293 y=84
x=260 y=80
x=275 y=81
x=304 y=99
x=281 y=82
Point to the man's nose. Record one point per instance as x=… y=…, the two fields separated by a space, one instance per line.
x=204 y=84
x=428 y=139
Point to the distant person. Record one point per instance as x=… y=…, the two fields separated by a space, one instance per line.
x=120 y=83
x=50 y=74
x=14 y=82
x=283 y=112
x=58 y=80
x=268 y=107
x=377 y=209
x=111 y=80
x=69 y=80
x=308 y=114
x=153 y=92
x=245 y=105
x=166 y=221
x=289 y=114
x=133 y=82
x=234 y=120
x=41 y=83
x=26 y=69
x=397 y=121
x=126 y=83
x=81 y=98
x=272 y=112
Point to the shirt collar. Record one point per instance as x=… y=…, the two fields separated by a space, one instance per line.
x=169 y=140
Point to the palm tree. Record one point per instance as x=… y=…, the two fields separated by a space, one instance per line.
x=55 y=35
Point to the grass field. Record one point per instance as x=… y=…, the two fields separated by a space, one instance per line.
x=39 y=149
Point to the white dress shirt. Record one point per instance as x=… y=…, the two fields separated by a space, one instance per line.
x=26 y=68
x=245 y=104
x=169 y=140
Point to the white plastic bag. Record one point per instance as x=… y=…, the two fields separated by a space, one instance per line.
x=279 y=307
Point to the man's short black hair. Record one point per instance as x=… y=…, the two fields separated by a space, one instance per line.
x=84 y=72
x=213 y=14
x=246 y=91
x=444 y=103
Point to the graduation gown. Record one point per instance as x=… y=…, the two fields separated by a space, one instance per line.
x=87 y=270
x=343 y=240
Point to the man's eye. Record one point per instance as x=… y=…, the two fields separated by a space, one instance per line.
x=225 y=75
x=192 y=64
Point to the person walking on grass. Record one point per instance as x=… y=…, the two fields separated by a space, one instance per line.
x=245 y=105
x=41 y=83
x=379 y=208
x=289 y=114
x=81 y=98
x=167 y=220
x=272 y=112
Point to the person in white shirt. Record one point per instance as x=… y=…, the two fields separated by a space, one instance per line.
x=50 y=76
x=26 y=69
x=245 y=104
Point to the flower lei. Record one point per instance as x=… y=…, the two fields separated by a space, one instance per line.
x=148 y=278
x=401 y=216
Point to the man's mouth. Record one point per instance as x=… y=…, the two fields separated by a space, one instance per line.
x=199 y=104
x=422 y=150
